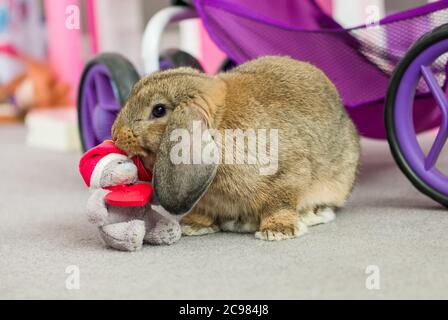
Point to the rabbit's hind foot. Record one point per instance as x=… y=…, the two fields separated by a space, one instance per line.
x=318 y=215
x=195 y=224
x=282 y=225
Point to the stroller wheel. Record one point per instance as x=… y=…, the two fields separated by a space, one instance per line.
x=173 y=58
x=416 y=65
x=105 y=85
x=227 y=65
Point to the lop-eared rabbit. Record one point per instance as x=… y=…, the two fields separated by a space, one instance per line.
x=316 y=150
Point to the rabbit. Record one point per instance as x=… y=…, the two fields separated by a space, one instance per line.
x=318 y=147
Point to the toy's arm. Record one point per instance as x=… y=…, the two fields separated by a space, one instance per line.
x=96 y=207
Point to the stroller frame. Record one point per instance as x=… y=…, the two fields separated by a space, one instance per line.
x=414 y=100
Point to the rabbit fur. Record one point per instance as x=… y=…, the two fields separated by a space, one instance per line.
x=318 y=146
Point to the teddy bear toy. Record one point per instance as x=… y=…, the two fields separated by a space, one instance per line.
x=119 y=203
x=36 y=87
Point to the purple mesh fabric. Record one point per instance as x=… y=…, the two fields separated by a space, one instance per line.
x=359 y=60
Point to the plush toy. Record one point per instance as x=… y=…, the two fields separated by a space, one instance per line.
x=120 y=200
x=36 y=87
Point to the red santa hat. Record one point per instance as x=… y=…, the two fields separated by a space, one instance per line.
x=94 y=161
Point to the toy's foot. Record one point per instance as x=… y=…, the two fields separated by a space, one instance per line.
x=318 y=216
x=194 y=224
x=125 y=236
x=282 y=225
x=165 y=232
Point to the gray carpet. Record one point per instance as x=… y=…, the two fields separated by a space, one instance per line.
x=387 y=224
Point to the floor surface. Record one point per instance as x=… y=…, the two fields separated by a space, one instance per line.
x=388 y=227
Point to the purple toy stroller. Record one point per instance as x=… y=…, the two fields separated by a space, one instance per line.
x=391 y=76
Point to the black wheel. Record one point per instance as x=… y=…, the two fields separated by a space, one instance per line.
x=404 y=117
x=174 y=58
x=105 y=86
x=227 y=65
x=188 y=3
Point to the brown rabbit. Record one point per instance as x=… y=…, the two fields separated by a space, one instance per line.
x=317 y=146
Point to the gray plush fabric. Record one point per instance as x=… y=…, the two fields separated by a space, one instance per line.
x=43 y=230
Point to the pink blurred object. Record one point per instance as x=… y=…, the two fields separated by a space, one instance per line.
x=92 y=26
x=64 y=42
x=211 y=57
x=22 y=33
x=10 y=50
x=326 y=5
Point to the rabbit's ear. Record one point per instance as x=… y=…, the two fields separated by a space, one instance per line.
x=181 y=176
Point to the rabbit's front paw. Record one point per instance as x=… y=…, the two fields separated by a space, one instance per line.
x=195 y=224
x=195 y=230
x=282 y=225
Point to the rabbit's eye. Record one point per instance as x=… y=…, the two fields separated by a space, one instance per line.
x=158 y=111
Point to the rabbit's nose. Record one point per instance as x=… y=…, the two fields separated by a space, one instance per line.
x=127 y=141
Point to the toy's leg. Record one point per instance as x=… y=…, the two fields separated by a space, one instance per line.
x=196 y=224
x=280 y=225
x=125 y=236
x=319 y=215
x=161 y=229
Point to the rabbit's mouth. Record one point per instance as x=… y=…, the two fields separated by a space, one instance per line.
x=148 y=159
x=126 y=140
